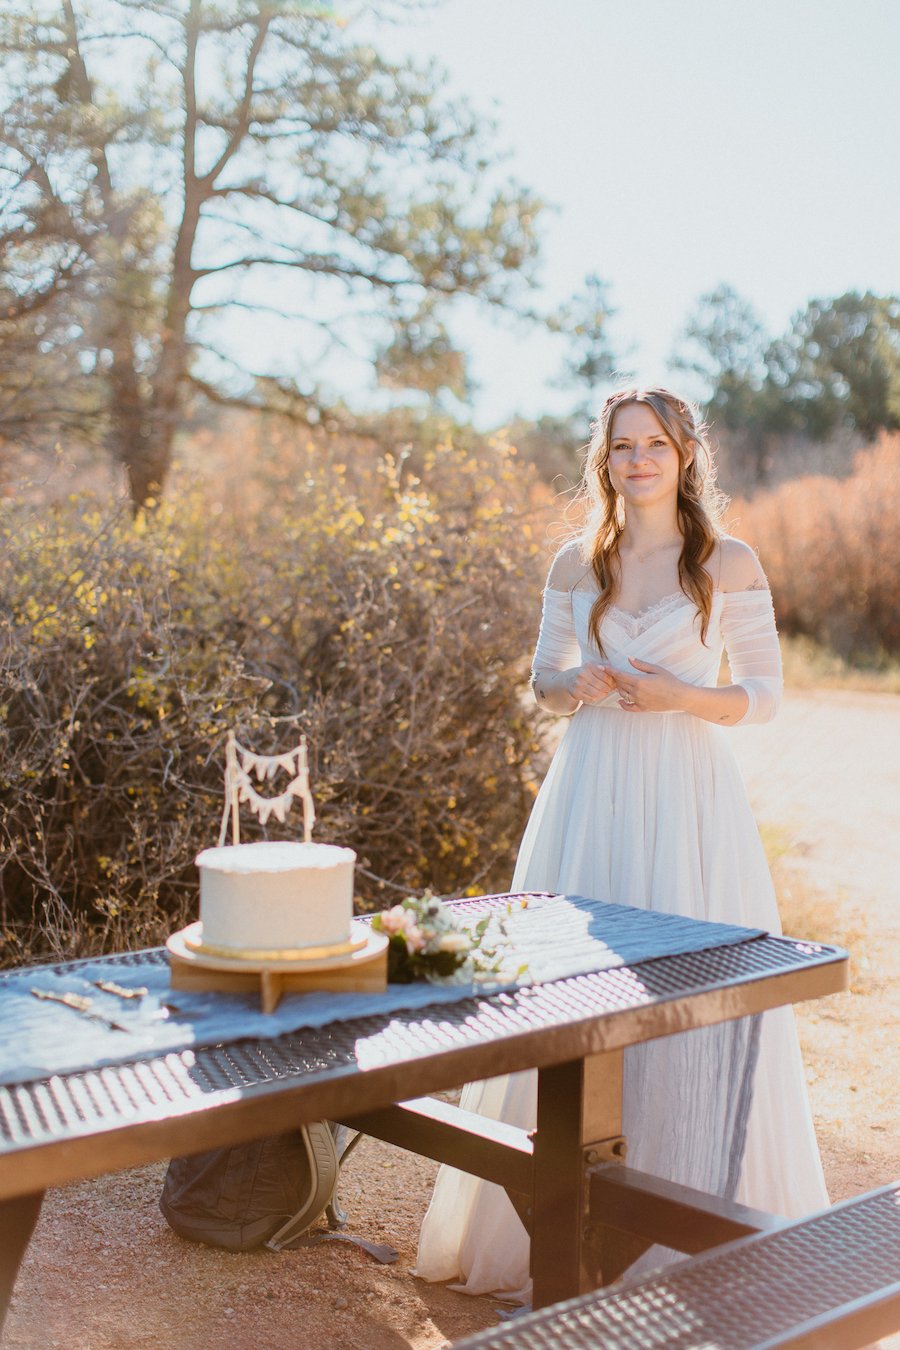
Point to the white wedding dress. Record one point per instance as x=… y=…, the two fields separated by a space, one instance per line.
x=649 y=809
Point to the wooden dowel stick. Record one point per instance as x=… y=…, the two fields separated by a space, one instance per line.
x=231 y=785
x=309 y=807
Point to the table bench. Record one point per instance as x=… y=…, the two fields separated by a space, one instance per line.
x=71 y=1126
x=831 y=1281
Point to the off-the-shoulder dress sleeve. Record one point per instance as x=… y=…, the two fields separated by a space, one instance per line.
x=557 y=645
x=754 y=657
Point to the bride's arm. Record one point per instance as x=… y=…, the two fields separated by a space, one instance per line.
x=559 y=680
x=748 y=629
x=655 y=689
x=556 y=653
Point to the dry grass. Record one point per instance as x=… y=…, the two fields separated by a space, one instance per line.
x=808 y=665
x=808 y=911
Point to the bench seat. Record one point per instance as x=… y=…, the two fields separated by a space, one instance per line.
x=831 y=1281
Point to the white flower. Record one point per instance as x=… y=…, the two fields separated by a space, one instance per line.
x=454 y=942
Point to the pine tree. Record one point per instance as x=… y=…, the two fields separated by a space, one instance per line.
x=170 y=163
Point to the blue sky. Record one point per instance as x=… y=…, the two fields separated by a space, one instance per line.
x=683 y=143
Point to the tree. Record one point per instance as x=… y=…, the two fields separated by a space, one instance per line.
x=591 y=361
x=43 y=255
x=727 y=347
x=33 y=334
x=422 y=355
x=839 y=363
x=187 y=160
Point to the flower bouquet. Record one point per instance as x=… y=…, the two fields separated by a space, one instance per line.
x=426 y=942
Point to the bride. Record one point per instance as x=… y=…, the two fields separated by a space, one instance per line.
x=644 y=805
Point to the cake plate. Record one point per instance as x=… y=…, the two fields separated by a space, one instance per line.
x=359 y=965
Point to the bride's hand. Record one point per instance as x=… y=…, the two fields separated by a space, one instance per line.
x=653 y=689
x=590 y=683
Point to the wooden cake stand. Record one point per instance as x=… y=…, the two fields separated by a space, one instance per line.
x=358 y=965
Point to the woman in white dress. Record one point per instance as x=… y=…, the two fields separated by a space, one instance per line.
x=644 y=805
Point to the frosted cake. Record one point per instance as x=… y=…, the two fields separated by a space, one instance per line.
x=275 y=899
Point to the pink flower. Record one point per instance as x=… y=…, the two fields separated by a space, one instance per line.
x=415 y=938
x=395 y=920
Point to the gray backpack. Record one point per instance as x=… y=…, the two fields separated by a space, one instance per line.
x=270 y=1191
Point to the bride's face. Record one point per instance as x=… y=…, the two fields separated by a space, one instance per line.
x=644 y=464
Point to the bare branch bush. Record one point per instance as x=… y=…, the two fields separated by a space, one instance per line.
x=831 y=549
x=387 y=614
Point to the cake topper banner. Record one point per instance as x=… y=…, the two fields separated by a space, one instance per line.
x=240 y=763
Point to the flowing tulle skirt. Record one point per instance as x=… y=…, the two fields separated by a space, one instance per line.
x=648 y=811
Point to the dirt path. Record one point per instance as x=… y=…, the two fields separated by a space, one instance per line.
x=105 y=1273
x=824 y=779
x=828 y=771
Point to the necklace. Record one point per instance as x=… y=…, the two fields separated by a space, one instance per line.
x=642 y=556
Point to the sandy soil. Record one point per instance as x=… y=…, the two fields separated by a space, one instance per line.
x=104 y=1272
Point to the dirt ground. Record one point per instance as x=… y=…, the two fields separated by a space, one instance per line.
x=104 y=1272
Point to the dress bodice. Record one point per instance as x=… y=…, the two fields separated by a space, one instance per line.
x=668 y=634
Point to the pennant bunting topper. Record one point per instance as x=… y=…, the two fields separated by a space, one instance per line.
x=241 y=764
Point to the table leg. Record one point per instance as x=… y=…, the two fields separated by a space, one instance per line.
x=17 y=1220
x=579 y=1103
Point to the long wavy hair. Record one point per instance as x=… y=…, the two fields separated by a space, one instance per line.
x=699 y=502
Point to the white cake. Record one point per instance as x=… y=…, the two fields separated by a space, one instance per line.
x=275 y=897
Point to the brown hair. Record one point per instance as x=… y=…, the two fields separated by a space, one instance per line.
x=699 y=502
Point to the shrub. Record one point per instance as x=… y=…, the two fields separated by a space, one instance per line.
x=831 y=549
x=388 y=615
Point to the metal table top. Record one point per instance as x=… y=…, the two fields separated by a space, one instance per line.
x=89 y=1123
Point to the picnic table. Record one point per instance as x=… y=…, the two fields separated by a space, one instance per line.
x=365 y=1069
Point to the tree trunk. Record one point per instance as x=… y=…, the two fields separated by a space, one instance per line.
x=152 y=452
x=147 y=461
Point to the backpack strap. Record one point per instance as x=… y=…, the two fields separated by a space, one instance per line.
x=323 y=1170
